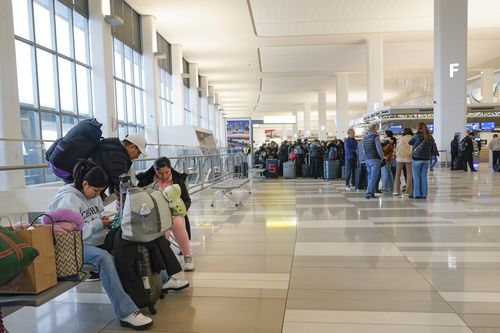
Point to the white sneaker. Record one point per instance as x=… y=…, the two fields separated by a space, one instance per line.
x=174 y=284
x=395 y=193
x=188 y=264
x=348 y=187
x=136 y=321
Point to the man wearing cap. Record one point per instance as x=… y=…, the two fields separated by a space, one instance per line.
x=116 y=156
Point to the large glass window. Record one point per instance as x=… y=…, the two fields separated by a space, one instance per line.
x=129 y=91
x=54 y=74
x=165 y=74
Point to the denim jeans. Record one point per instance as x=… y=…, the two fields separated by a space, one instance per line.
x=420 y=178
x=350 y=171
x=105 y=265
x=373 y=168
x=433 y=162
x=387 y=178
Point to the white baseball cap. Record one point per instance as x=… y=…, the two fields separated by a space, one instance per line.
x=139 y=141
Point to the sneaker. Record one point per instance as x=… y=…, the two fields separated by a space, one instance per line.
x=93 y=276
x=136 y=321
x=347 y=187
x=395 y=193
x=174 y=284
x=188 y=264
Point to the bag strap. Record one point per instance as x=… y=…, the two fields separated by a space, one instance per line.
x=8 y=219
x=51 y=223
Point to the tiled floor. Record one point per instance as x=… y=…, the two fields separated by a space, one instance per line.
x=309 y=256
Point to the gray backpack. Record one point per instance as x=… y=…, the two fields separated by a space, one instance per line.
x=146 y=215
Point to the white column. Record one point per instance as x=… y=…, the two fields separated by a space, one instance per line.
x=11 y=153
x=322 y=115
x=450 y=70
x=216 y=121
x=178 y=85
x=193 y=85
x=375 y=77
x=222 y=142
x=487 y=85
x=101 y=47
x=295 y=128
x=342 y=105
x=204 y=100
x=211 y=102
x=307 y=119
x=151 y=79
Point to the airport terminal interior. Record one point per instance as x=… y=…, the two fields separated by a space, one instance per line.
x=210 y=84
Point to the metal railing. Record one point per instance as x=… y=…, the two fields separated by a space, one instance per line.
x=203 y=166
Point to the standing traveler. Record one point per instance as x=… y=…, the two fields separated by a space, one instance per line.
x=373 y=153
x=422 y=149
x=362 y=174
x=454 y=151
x=434 y=156
x=386 y=169
x=316 y=154
x=351 y=158
x=299 y=157
x=467 y=150
x=282 y=155
x=494 y=146
x=403 y=162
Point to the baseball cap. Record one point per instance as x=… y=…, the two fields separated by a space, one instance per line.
x=139 y=141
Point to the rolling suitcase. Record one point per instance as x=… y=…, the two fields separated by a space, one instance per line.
x=272 y=168
x=331 y=170
x=289 y=170
x=306 y=171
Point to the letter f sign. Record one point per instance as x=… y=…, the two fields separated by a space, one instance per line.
x=453 y=68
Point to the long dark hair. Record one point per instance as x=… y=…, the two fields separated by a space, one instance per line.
x=162 y=162
x=422 y=128
x=87 y=170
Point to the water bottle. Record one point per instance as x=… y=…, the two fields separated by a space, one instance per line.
x=145 y=210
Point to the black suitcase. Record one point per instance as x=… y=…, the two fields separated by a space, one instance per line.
x=361 y=177
x=272 y=168
x=289 y=171
x=306 y=171
x=331 y=170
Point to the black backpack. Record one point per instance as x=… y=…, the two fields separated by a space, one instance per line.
x=79 y=143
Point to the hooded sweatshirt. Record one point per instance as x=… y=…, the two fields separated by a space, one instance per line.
x=68 y=197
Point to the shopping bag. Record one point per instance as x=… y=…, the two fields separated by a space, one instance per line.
x=69 y=253
x=15 y=255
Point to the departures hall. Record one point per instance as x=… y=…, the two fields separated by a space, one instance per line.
x=250 y=166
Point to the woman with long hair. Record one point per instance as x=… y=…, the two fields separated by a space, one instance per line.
x=422 y=143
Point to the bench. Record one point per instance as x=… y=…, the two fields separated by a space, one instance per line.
x=34 y=300
x=225 y=189
x=253 y=172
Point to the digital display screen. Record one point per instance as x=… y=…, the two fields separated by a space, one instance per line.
x=472 y=127
x=430 y=127
x=488 y=126
x=396 y=128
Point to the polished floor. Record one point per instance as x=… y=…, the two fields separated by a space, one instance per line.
x=309 y=256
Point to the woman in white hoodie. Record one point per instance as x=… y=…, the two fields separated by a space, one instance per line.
x=403 y=160
x=83 y=197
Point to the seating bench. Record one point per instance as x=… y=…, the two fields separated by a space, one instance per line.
x=225 y=189
x=253 y=172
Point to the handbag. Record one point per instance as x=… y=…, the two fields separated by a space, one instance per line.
x=15 y=255
x=69 y=253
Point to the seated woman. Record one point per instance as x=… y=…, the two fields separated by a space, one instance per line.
x=161 y=175
x=83 y=197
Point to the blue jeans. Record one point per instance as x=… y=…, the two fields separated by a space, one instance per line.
x=373 y=168
x=387 y=178
x=105 y=265
x=434 y=160
x=420 y=178
x=350 y=169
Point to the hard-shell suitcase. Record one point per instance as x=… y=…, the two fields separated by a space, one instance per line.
x=289 y=170
x=151 y=282
x=361 y=176
x=331 y=169
x=272 y=168
x=306 y=170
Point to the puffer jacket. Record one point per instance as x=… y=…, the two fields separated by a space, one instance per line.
x=422 y=151
x=112 y=156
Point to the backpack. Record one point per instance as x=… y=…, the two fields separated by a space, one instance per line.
x=291 y=156
x=146 y=215
x=332 y=153
x=462 y=145
x=79 y=143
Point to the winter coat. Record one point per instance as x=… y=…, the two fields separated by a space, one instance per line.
x=404 y=149
x=422 y=151
x=351 y=148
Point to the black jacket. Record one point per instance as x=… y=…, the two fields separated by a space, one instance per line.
x=147 y=177
x=112 y=156
x=421 y=150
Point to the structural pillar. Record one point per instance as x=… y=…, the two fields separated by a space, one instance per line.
x=450 y=70
x=375 y=79
x=322 y=115
x=342 y=105
x=151 y=79
x=307 y=120
x=193 y=85
x=487 y=85
x=101 y=48
x=295 y=127
x=204 y=101
x=211 y=106
x=178 y=86
x=11 y=152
